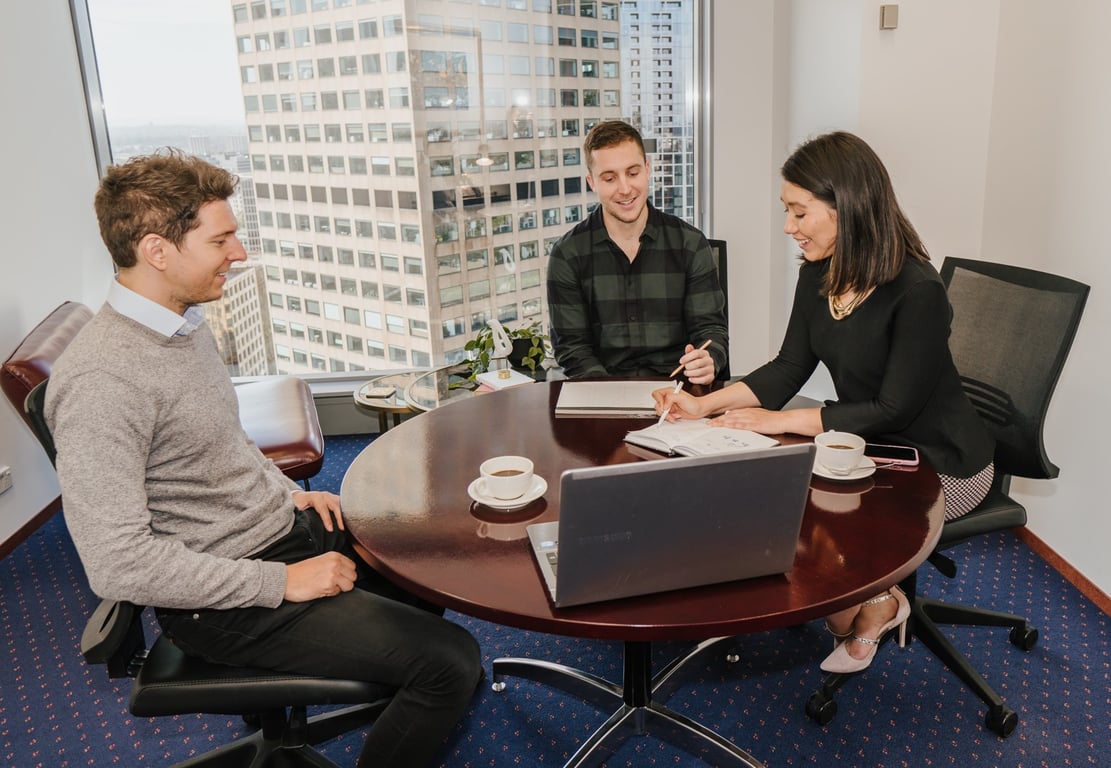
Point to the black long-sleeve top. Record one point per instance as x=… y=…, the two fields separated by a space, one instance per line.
x=891 y=367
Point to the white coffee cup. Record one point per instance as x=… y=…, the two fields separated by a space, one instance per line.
x=839 y=452
x=506 y=477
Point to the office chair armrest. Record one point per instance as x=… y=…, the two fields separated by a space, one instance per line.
x=113 y=636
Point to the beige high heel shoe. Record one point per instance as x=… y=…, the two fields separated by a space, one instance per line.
x=842 y=662
x=838 y=637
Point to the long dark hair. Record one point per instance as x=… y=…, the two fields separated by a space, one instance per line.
x=874 y=236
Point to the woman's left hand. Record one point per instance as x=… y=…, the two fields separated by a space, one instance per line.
x=753 y=419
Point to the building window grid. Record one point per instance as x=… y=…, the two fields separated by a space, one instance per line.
x=569 y=127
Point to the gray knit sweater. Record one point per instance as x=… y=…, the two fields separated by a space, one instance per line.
x=164 y=494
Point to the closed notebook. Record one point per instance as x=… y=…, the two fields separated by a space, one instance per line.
x=688 y=437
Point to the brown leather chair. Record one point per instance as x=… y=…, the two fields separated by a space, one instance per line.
x=278 y=413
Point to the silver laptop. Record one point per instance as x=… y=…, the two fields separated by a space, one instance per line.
x=654 y=526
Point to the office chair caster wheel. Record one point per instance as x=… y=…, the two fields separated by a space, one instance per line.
x=1001 y=719
x=497 y=686
x=732 y=657
x=1024 y=637
x=821 y=708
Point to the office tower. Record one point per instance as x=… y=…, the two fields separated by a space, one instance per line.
x=412 y=164
x=658 y=89
x=241 y=322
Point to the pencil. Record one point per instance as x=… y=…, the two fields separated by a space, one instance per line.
x=704 y=345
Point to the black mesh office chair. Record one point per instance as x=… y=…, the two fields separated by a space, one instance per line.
x=721 y=261
x=1012 y=331
x=167 y=682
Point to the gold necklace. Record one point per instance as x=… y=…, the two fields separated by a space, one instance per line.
x=840 y=310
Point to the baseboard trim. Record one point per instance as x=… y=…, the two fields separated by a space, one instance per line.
x=24 y=532
x=1059 y=564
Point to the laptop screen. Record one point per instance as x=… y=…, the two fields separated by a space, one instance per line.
x=653 y=526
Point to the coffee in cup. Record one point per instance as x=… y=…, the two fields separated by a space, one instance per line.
x=506 y=477
x=839 y=452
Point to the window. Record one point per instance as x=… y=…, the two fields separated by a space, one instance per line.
x=453 y=327
x=392 y=26
x=542 y=35
x=314 y=82
x=478 y=289
x=446 y=265
x=477 y=259
x=451 y=295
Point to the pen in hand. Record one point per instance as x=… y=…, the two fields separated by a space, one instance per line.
x=667 y=410
x=704 y=345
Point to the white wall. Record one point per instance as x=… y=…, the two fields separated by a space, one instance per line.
x=1047 y=200
x=52 y=251
x=993 y=119
x=748 y=128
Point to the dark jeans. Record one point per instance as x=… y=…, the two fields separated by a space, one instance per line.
x=357 y=635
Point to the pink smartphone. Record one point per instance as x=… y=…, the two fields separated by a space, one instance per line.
x=892 y=454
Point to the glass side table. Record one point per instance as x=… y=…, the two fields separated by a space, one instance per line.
x=439 y=387
x=385 y=395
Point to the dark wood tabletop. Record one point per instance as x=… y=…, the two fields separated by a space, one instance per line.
x=405 y=500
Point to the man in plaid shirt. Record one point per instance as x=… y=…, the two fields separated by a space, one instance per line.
x=633 y=291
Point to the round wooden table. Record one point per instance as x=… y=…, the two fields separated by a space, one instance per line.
x=405 y=500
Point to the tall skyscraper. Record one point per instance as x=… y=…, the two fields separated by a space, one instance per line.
x=658 y=91
x=413 y=163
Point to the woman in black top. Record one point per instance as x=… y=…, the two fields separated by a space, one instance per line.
x=868 y=305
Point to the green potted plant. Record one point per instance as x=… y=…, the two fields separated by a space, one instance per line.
x=529 y=344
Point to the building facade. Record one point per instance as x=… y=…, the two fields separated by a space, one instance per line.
x=413 y=161
x=658 y=92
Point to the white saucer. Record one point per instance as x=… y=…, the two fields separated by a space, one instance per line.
x=535 y=491
x=866 y=468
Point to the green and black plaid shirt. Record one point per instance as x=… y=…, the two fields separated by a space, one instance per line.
x=611 y=317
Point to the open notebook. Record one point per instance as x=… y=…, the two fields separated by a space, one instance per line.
x=695 y=437
x=654 y=526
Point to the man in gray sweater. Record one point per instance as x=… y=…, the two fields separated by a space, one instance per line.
x=171 y=505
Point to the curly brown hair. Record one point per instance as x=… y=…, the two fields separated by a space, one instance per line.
x=156 y=194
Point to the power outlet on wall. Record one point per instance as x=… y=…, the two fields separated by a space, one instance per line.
x=5 y=478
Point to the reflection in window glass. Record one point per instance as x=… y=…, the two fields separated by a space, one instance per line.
x=474 y=104
x=475 y=228
x=447 y=265
x=477 y=259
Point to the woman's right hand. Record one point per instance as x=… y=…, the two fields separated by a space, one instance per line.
x=683 y=405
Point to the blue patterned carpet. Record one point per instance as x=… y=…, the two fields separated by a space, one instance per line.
x=908 y=710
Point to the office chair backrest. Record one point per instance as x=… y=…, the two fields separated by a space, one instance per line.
x=33 y=408
x=34 y=358
x=1012 y=331
x=721 y=261
x=114 y=634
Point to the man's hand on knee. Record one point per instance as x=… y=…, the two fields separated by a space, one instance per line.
x=321 y=576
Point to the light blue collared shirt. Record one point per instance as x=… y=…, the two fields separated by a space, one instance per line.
x=152 y=314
